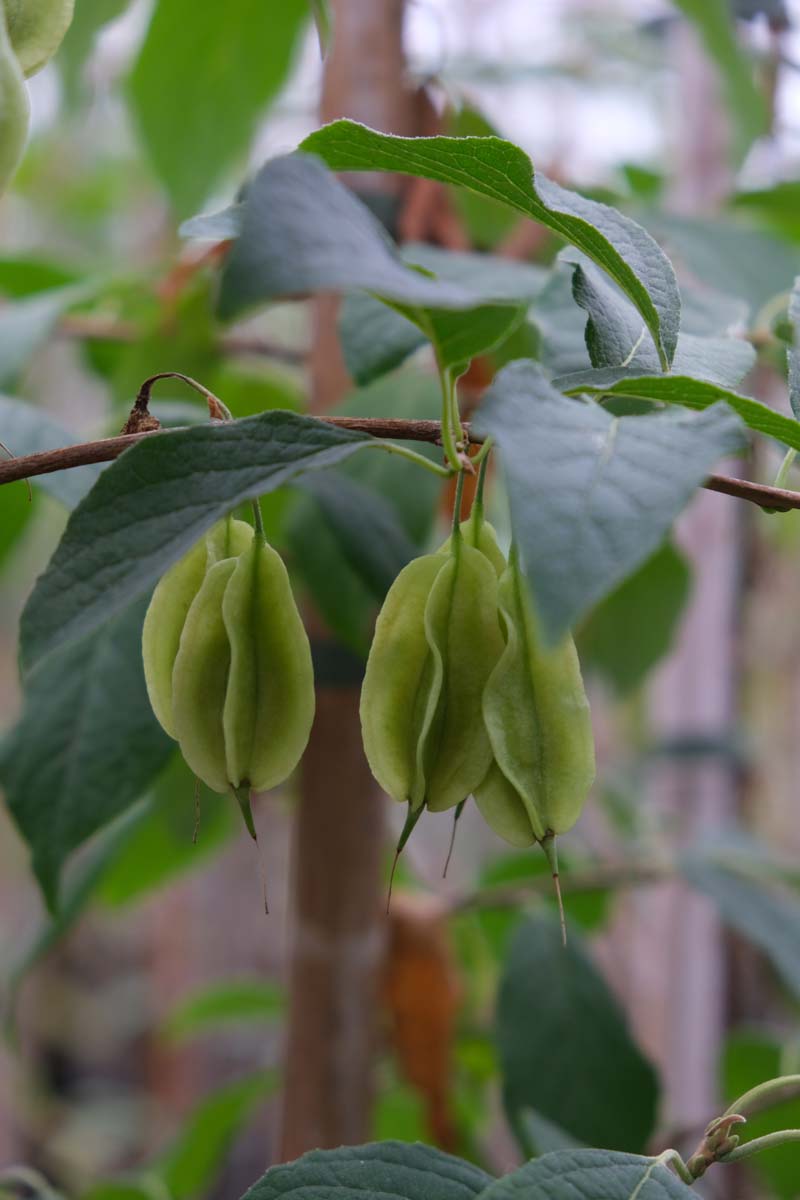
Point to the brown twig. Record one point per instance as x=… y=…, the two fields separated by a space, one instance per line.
x=107 y=449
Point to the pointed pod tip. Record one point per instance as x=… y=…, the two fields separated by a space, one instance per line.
x=243 y=797
x=548 y=844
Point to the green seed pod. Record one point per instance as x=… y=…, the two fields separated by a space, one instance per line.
x=539 y=725
x=436 y=641
x=36 y=29
x=480 y=534
x=168 y=609
x=228 y=664
x=14 y=109
x=269 y=703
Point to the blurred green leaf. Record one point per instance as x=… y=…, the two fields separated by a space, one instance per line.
x=190 y=1168
x=750 y=1057
x=87 y=21
x=227 y=1003
x=746 y=103
x=27 y=323
x=26 y=429
x=767 y=913
x=564 y=1045
x=167 y=840
x=633 y=628
x=201 y=84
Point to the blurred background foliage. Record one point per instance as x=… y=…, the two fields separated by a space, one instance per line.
x=144 y=1020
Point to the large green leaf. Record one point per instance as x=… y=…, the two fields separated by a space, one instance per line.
x=565 y=1050
x=765 y=912
x=745 y=100
x=501 y=171
x=590 y=1175
x=86 y=746
x=592 y=496
x=615 y=337
x=154 y=502
x=303 y=231
x=202 y=80
x=632 y=629
x=687 y=392
x=381 y=1171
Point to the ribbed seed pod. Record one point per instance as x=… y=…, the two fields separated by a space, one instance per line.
x=436 y=641
x=539 y=725
x=228 y=664
x=14 y=108
x=36 y=29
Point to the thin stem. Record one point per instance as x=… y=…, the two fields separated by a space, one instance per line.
x=484 y=452
x=782 y=1138
x=419 y=459
x=258 y=521
x=772 y=1092
x=482 y=457
x=671 y=1158
x=457 y=507
x=448 y=439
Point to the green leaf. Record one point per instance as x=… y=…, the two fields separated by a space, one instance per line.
x=190 y=1168
x=87 y=21
x=749 y=1057
x=777 y=207
x=152 y=504
x=501 y=171
x=378 y=1171
x=201 y=84
x=366 y=528
x=766 y=913
x=590 y=1175
x=487 y=222
x=167 y=840
x=231 y=1002
x=696 y=394
x=86 y=746
x=730 y=258
x=615 y=337
x=338 y=591
x=26 y=429
x=304 y=231
x=745 y=100
x=27 y=323
x=793 y=354
x=16 y=510
x=377 y=337
x=564 y=1047
x=633 y=628
x=591 y=495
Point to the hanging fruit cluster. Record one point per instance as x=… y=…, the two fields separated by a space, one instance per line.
x=30 y=33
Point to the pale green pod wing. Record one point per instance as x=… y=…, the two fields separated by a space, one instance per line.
x=461 y=623
x=163 y=625
x=200 y=680
x=482 y=536
x=538 y=717
x=37 y=28
x=14 y=109
x=269 y=706
x=502 y=808
x=228 y=539
x=397 y=679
